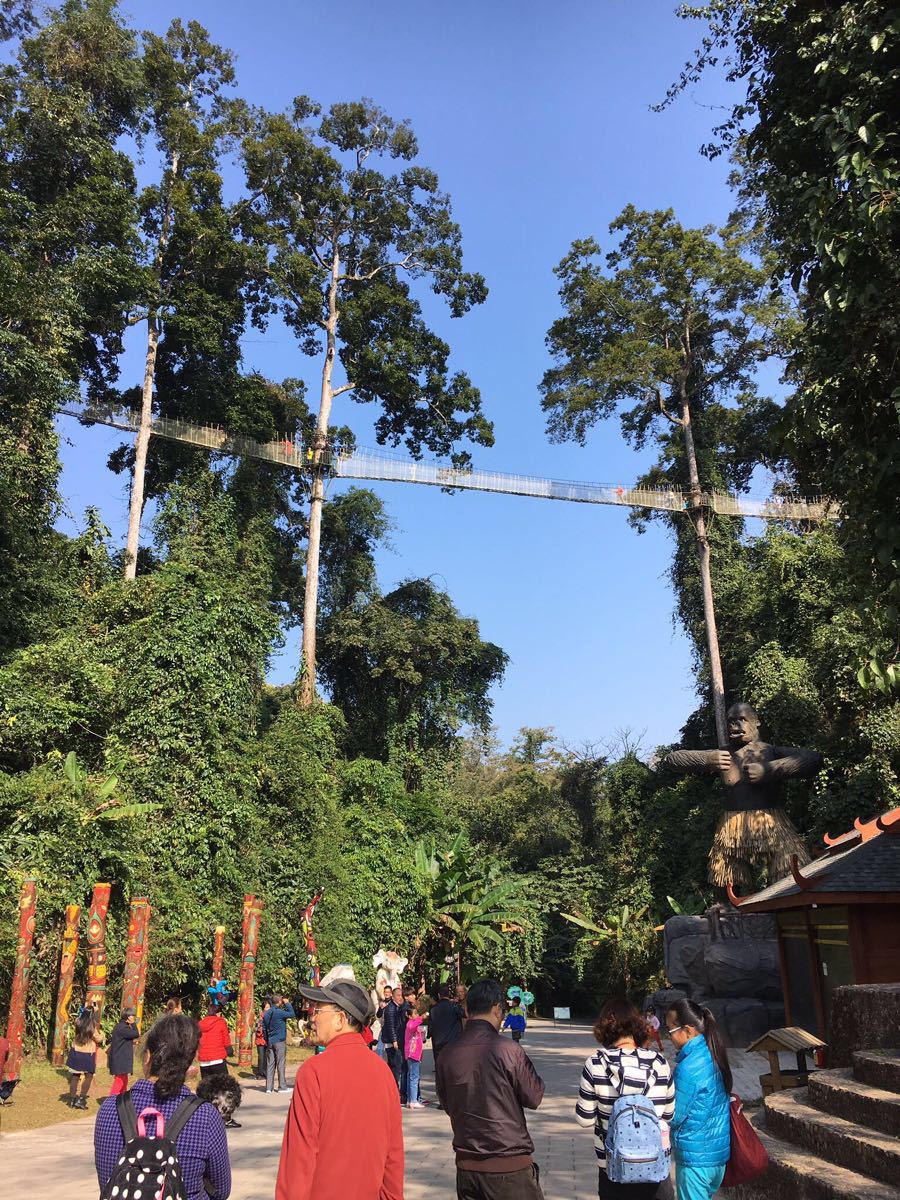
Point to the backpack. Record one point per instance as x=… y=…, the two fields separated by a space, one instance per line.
x=148 y=1168
x=634 y=1146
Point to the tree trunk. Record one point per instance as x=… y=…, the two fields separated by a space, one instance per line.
x=703 y=556
x=140 y=450
x=317 y=497
x=154 y=320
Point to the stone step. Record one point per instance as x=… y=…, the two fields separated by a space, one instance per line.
x=841 y=1093
x=881 y=1068
x=798 y=1174
x=791 y=1117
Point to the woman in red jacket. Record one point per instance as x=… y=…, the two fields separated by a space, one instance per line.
x=215 y=1042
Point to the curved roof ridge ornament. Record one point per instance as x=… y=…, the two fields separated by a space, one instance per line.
x=737 y=901
x=801 y=881
x=889 y=822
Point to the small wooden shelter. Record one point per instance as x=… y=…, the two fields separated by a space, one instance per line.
x=838 y=919
x=778 y=1040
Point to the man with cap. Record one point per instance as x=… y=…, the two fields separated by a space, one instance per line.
x=343 y=1139
x=121 y=1050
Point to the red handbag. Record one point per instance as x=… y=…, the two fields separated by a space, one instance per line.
x=748 y=1157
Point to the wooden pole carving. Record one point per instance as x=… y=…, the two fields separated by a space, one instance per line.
x=218 y=954
x=96 y=948
x=66 y=978
x=15 y=1026
x=136 y=957
x=252 y=914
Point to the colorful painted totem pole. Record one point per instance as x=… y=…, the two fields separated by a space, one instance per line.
x=218 y=954
x=66 y=978
x=15 y=1026
x=96 y=947
x=136 y=956
x=245 y=1025
x=142 y=975
x=306 y=926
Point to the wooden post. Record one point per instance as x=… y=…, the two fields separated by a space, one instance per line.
x=96 y=947
x=15 y=1026
x=252 y=915
x=218 y=954
x=66 y=978
x=136 y=956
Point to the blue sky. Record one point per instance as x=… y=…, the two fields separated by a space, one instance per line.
x=536 y=118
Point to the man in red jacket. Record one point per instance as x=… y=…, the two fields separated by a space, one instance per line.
x=344 y=1134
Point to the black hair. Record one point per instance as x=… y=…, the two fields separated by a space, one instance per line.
x=172 y=1046
x=482 y=996
x=86 y=1023
x=701 y=1019
x=222 y=1091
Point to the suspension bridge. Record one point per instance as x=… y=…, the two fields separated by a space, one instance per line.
x=383 y=465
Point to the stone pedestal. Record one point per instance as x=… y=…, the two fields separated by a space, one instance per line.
x=728 y=962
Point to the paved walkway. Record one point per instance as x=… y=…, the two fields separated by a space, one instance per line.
x=60 y=1158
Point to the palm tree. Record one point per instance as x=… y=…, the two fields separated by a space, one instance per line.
x=469 y=904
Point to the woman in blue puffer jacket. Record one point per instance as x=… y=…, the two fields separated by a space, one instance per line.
x=701 y=1127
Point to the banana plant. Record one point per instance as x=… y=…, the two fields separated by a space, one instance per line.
x=620 y=930
x=101 y=803
x=470 y=905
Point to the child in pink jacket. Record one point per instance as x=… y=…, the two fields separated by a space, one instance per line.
x=413 y=1046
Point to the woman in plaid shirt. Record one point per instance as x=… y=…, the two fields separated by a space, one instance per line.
x=202 y=1145
x=622 y=1066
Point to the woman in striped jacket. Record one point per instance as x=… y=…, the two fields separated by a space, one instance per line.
x=622 y=1067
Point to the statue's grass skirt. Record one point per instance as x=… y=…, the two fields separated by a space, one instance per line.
x=747 y=841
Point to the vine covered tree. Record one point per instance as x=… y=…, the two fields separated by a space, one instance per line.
x=674 y=322
x=346 y=236
x=817 y=125
x=192 y=264
x=66 y=260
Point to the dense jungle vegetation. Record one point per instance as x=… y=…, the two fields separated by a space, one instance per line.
x=194 y=781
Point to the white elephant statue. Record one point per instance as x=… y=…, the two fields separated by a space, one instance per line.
x=389 y=966
x=340 y=971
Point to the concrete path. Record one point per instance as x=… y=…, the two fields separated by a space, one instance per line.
x=59 y=1158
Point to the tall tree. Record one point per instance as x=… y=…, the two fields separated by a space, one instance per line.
x=345 y=237
x=674 y=321
x=408 y=671
x=819 y=126
x=66 y=264
x=192 y=263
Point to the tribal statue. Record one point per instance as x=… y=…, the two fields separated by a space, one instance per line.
x=754 y=831
x=306 y=925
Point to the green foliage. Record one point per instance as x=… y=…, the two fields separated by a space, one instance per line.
x=344 y=235
x=818 y=122
x=470 y=905
x=408 y=671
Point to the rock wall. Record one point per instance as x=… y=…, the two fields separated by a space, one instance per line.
x=727 y=961
x=864 y=1016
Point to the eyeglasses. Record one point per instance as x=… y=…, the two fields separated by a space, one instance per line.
x=674 y=1029
x=317 y=1008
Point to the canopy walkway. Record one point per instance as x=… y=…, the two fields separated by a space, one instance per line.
x=380 y=464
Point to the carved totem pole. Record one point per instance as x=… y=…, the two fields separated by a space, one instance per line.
x=245 y=1024
x=66 y=978
x=96 y=947
x=306 y=926
x=15 y=1026
x=136 y=956
x=218 y=954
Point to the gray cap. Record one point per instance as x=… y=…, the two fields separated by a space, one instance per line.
x=345 y=994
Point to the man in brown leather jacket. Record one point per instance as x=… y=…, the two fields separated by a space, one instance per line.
x=486 y=1083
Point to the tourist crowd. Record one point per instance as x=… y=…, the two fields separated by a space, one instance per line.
x=343 y=1137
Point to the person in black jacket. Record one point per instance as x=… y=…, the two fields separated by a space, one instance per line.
x=120 y=1058
x=392 y=1029
x=445 y=1024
